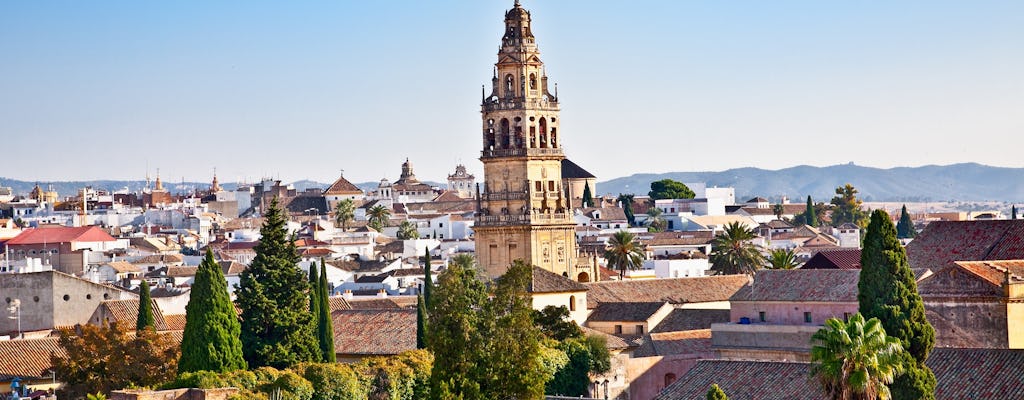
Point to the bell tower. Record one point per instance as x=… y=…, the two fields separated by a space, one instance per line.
x=522 y=211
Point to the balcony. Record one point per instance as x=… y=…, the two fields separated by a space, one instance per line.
x=516 y=219
x=519 y=103
x=503 y=196
x=528 y=152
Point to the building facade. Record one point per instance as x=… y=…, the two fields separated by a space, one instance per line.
x=523 y=211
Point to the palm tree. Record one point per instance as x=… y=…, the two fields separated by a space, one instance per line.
x=407 y=230
x=778 y=210
x=733 y=253
x=855 y=360
x=782 y=259
x=378 y=216
x=344 y=211
x=624 y=252
x=655 y=223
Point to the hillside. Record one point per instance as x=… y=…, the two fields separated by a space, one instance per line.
x=957 y=182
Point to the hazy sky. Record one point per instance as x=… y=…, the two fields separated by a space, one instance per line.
x=301 y=89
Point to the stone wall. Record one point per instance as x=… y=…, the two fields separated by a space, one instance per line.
x=175 y=394
x=43 y=304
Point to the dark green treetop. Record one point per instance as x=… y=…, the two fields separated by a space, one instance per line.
x=211 y=339
x=145 y=318
x=670 y=189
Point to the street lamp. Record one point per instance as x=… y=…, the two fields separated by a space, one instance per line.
x=15 y=308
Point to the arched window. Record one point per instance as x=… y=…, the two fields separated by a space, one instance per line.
x=510 y=85
x=583 y=277
x=554 y=137
x=533 y=82
x=504 y=133
x=533 y=136
x=572 y=303
x=491 y=142
x=543 y=132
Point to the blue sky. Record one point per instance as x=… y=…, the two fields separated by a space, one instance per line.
x=302 y=89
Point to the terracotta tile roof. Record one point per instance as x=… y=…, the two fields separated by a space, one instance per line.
x=240 y=246
x=373 y=303
x=126 y=313
x=695 y=342
x=175 y=322
x=374 y=332
x=604 y=213
x=994 y=272
x=977 y=373
x=341 y=187
x=317 y=252
x=160 y=258
x=571 y=170
x=841 y=258
x=942 y=242
x=827 y=285
x=545 y=281
x=232 y=268
x=624 y=311
x=407 y=272
x=686 y=319
x=338 y=303
x=448 y=195
x=29 y=358
x=61 y=234
x=613 y=342
x=183 y=271
x=123 y=266
x=745 y=380
x=672 y=290
x=677 y=238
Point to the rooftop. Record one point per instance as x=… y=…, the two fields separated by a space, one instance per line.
x=671 y=290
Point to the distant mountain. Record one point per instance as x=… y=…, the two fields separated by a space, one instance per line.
x=957 y=182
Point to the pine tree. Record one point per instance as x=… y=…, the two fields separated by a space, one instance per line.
x=588 y=198
x=145 y=319
x=716 y=393
x=887 y=291
x=421 y=322
x=905 y=228
x=277 y=329
x=211 y=338
x=325 y=326
x=809 y=216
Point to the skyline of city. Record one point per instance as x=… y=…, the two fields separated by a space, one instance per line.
x=770 y=86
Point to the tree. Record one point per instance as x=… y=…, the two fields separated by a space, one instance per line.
x=733 y=253
x=428 y=277
x=325 y=326
x=847 y=207
x=670 y=189
x=96 y=396
x=513 y=358
x=556 y=324
x=778 y=210
x=211 y=338
x=344 y=212
x=626 y=202
x=782 y=259
x=314 y=297
x=277 y=327
x=716 y=393
x=855 y=359
x=887 y=290
x=378 y=217
x=809 y=216
x=1013 y=211
x=588 y=198
x=101 y=359
x=905 y=228
x=145 y=319
x=655 y=223
x=421 y=322
x=624 y=252
x=454 y=336
x=407 y=230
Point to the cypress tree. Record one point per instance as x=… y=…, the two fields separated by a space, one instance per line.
x=887 y=291
x=277 y=329
x=810 y=218
x=211 y=338
x=905 y=228
x=421 y=323
x=428 y=278
x=314 y=295
x=145 y=319
x=325 y=326
x=588 y=198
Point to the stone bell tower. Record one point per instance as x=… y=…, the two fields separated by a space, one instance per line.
x=522 y=211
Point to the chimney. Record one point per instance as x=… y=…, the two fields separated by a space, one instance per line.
x=347 y=295
x=382 y=294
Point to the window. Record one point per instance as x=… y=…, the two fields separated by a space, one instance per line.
x=846 y=316
x=551 y=186
x=533 y=82
x=539 y=185
x=639 y=329
x=618 y=329
x=761 y=316
x=669 y=378
x=572 y=303
x=807 y=317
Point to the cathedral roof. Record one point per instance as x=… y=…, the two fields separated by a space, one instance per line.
x=343 y=186
x=571 y=170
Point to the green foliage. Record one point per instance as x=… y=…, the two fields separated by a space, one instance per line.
x=211 y=339
x=778 y=210
x=455 y=336
x=555 y=323
x=324 y=324
x=513 y=341
x=905 y=228
x=855 y=359
x=96 y=396
x=145 y=318
x=421 y=322
x=626 y=202
x=378 y=217
x=624 y=252
x=782 y=259
x=670 y=189
x=847 y=207
x=428 y=277
x=887 y=290
x=716 y=393
x=655 y=223
x=344 y=212
x=407 y=230
x=588 y=197
x=809 y=216
x=291 y=386
x=101 y=359
x=733 y=253
x=277 y=328
x=600 y=358
x=334 y=381
x=586 y=355
x=403 y=377
x=314 y=298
